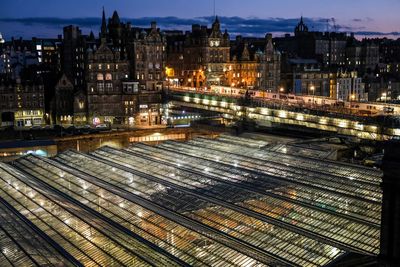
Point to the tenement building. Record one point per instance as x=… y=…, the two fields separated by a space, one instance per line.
x=22 y=103
x=243 y=68
x=206 y=55
x=270 y=67
x=107 y=76
x=144 y=48
x=105 y=73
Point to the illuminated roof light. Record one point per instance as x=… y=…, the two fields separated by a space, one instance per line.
x=282 y=114
x=300 y=117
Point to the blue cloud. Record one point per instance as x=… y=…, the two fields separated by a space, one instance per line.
x=235 y=25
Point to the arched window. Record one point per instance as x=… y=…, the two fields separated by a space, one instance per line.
x=100 y=77
x=108 y=77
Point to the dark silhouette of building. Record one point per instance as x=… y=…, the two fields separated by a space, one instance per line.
x=329 y=48
x=390 y=222
x=63 y=109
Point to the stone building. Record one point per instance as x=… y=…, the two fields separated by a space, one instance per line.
x=144 y=48
x=22 y=103
x=206 y=55
x=270 y=67
x=243 y=68
x=329 y=48
x=175 y=66
x=362 y=56
x=63 y=107
x=349 y=87
x=80 y=108
x=104 y=75
x=74 y=55
x=147 y=57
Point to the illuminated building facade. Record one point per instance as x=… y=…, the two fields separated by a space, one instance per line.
x=206 y=55
x=350 y=87
x=243 y=70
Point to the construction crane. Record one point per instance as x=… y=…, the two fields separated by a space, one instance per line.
x=328 y=25
x=335 y=28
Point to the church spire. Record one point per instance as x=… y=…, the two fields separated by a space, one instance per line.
x=301 y=27
x=103 y=25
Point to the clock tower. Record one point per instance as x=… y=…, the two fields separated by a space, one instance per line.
x=218 y=54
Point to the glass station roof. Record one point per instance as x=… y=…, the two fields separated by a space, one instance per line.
x=225 y=202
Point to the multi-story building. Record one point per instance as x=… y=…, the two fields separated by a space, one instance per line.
x=243 y=70
x=22 y=103
x=147 y=56
x=349 y=87
x=16 y=56
x=270 y=67
x=175 y=66
x=362 y=56
x=255 y=63
x=206 y=56
x=74 y=55
x=49 y=54
x=63 y=106
x=329 y=48
x=382 y=89
x=104 y=75
x=302 y=76
x=144 y=48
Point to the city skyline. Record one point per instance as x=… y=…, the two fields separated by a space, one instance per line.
x=254 y=19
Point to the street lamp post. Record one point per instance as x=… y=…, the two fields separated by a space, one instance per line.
x=384 y=96
x=312 y=88
x=352 y=98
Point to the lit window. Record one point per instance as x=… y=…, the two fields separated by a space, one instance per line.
x=100 y=77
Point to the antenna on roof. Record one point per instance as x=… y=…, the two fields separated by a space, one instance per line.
x=214 y=8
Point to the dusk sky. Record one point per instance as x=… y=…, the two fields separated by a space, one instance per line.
x=45 y=18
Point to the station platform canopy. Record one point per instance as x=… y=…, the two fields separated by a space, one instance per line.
x=229 y=201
